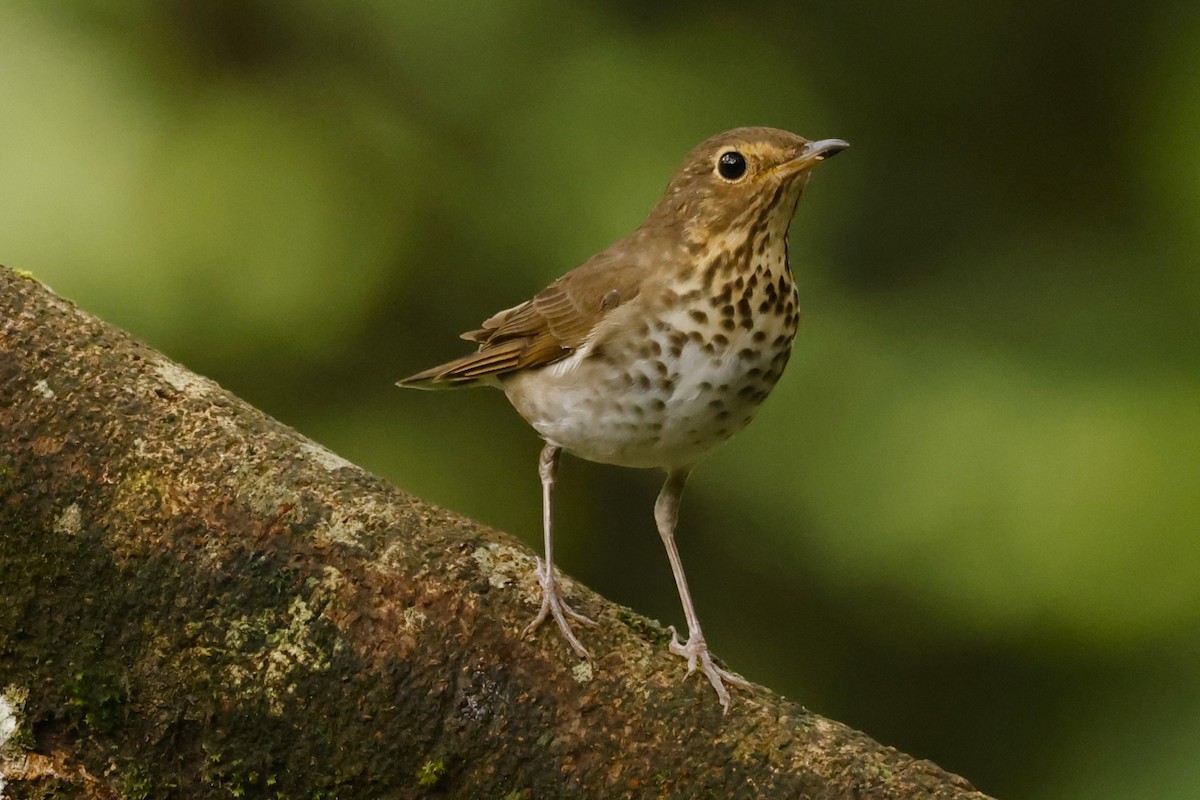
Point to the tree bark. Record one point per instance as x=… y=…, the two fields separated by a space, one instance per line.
x=196 y=601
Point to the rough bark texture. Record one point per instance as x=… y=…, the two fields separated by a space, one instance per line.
x=196 y=601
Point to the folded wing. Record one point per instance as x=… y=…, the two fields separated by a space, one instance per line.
x=557 y=321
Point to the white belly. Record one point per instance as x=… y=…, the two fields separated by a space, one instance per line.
x=662 y=399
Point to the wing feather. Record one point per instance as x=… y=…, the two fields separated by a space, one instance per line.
x=545 y=329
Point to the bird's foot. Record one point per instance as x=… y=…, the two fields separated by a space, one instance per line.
x=698 y=657
x=555 y=605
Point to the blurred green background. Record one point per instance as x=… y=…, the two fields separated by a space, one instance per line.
x=967 y=520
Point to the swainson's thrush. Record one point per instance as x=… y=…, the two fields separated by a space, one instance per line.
x=654 y=351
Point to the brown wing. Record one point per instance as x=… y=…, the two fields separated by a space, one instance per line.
x=545 y=329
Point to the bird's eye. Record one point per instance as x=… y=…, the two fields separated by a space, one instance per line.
x=731 y=165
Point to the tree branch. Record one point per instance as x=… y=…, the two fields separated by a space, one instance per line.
x=196 y=601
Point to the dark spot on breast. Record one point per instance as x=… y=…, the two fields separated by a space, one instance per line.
x=710 y=271
x=775 y=198
x=705 y=386
x=748 y=354
x=781 y=341
x=643 y=381
x=760 y=336
x=727 y=311
x=744 y=307
x=698 y=316
x=721 y=340
x=658 y=404
x=728 y=324
x=723 y=298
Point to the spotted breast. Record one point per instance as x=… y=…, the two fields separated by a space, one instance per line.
x=678 y=370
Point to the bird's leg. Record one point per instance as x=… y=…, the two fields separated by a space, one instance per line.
x=553 y=602
x=666 y=514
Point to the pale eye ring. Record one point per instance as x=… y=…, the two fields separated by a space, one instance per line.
x=731 y=165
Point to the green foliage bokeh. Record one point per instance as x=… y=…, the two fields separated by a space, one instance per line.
x=966 y=521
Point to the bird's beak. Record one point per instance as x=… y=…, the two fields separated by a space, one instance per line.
x=814 y=153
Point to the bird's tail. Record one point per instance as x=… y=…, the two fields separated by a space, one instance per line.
x=439 y=377
x=477 y=369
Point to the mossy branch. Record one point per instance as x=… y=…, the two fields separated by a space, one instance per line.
x=196 y=601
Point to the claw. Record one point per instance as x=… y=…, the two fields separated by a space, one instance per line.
x=555 y=605
x=695 y=650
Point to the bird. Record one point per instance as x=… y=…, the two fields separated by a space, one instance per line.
x=659 y=348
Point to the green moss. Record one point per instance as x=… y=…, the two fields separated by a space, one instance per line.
x=238 y=777
x=136 y=783
x=640 y=625
x=431 y=773
x=45 y=788
x=98 y=698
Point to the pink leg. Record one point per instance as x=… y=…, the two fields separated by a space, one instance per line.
x=553 y=602
x=666 y=514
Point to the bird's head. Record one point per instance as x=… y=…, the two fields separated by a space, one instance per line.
x=738 y=178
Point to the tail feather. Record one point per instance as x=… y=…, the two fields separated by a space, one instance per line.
x=470 y=369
